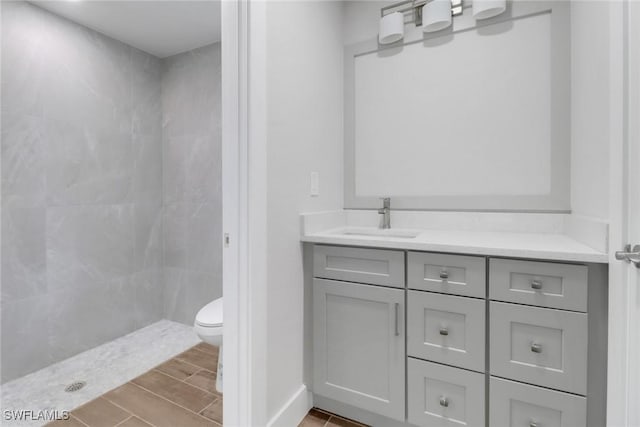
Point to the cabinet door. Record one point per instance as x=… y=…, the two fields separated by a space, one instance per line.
x=359 y=346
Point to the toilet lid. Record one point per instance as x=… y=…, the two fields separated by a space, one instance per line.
x=210 y=314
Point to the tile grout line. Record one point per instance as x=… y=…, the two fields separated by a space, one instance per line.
x=124 y=409
x=193 y=385
x=180 y=381
x=201 y=351
x=216 y=395
x=193 y=364
x=211 y=404
x=170 y=401
x=125 y=420
x=197 y=366
x=184 y=380
x=177 y=357
x=77 y=419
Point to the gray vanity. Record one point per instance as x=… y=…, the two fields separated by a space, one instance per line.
x=403 y=337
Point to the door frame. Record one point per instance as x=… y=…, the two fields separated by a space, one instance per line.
x=620 y=402
x=244 y=212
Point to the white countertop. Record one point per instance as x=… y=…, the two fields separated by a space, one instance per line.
x=546 y=246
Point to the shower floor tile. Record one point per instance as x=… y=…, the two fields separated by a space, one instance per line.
x=103 y=368
x=158 y=399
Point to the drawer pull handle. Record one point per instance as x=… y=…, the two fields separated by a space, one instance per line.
x=536 y=348
x=444 y=275
x=533 y=424
x=444 y=402
x=444 y=331
x=536 y=284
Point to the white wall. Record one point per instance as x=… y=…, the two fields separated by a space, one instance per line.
x=304 y=134
x=590 y=109
x=361 y=19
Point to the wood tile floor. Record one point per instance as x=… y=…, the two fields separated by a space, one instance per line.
x=319 y=418
x=178 y=393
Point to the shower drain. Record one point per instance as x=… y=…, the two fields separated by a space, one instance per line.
x=75 y=386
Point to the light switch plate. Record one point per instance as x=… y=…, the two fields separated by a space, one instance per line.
x=315 y=184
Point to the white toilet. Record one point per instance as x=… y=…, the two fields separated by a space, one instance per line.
x=208 y=326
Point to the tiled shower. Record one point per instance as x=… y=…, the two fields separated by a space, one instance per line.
x=111 y=193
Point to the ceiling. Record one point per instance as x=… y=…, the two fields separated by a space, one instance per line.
x=161 y=28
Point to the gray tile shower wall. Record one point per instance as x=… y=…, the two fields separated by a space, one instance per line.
x=192 y=193
x=81 y=189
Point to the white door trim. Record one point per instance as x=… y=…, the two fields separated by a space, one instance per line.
x=619 y=401
x=244 y=212
x=232 y=181
x=633 y=138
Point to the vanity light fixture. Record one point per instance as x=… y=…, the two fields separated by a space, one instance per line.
x=436 y=15
x=484 y=9
x=430 y=15
x=391 y=28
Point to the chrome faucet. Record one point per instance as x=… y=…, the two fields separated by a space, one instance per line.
x=385 y=211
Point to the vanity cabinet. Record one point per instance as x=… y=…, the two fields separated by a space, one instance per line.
x=359 y=345
x=474 y=340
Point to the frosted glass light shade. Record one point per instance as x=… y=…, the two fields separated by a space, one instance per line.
x=436 y=15
x=483 y=9
x=391 y=28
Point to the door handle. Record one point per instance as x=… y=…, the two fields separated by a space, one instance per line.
x=397 y=314
x=630 y=254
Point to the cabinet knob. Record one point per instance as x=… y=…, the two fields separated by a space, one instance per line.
x=444 y=331
x=536 y=348
x=444 y=402
x=444 y=275
x=536 y=284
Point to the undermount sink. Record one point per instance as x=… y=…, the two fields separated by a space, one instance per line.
x=378 y=232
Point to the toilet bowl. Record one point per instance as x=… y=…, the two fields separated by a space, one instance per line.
x=208 y=325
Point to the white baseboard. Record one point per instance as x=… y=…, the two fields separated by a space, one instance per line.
x=292 y=412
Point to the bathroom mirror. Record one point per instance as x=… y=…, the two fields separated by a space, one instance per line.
x=437 y=122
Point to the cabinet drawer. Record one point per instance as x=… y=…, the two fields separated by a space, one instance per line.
x=522 y=405
x=375 y=266
x=440 y=395
x=451 y=274
x=446 y=329
x=539 y=346
x=544 y=284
